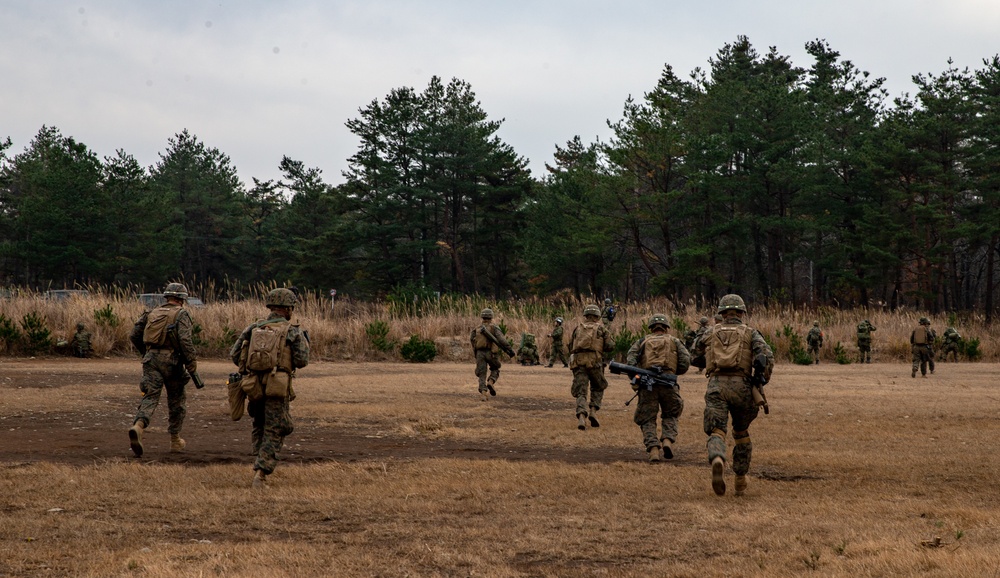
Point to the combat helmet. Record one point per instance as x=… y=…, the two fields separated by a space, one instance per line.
x=815 y=323
x=176 y=290
x=703 y=321
x=591 y=310
x=281 y=298
x=486 y=314
x=559 y=320
x=658 y=319
x=925 y=321
x=732 y=302
x=80 y=326
x=607 y=301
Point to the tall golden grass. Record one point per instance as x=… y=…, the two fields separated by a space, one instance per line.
x=340 y=334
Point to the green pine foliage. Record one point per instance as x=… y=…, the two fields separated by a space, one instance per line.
x=418 y=350
x=378 y=335
x=840 y=354
x=36 y=336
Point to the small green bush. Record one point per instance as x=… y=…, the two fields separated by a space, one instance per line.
x=840 y=354
x=37 y=336
x=418 y=350
x=378 y=334
x=970 y=348
x=10 y=335
x=106 y=317
x=624 y=340
x=796 y=351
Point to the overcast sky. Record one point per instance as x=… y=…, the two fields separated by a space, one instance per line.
x=261 y=79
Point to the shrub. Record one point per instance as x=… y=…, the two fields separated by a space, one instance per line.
x=970 y=348
x=796 y=352
x=10 y=335
x=418 y=350
x=624 y=340
x=840 y=354
x=378 y=334
x=37 y=336
x=106 y=317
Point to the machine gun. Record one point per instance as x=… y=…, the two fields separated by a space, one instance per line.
x=493 y=338
x=175 y=341
x=640 y=377
x=758 y=381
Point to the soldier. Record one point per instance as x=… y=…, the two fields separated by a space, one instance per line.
x=488 y=352
x=608 y=313
x=815 y=340
x=865 y=329
x=729 y=351
x=692 y=335
x=163 y=338
x=81 y=342
x=951 y=343
x=587 y=346
x=557 y=345
x=527 y=352
x=270 y=389
x=921 y=345
x=659 y=349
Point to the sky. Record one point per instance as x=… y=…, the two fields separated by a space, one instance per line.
x=259 y=80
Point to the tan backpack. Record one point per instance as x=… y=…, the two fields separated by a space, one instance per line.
x=659 y=350
x=483 y=342
x=155 y=332
x=588 y=338
x=728 y=350
x=920 y=335
x=264 y=351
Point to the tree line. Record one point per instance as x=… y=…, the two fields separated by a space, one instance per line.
x=753 y=175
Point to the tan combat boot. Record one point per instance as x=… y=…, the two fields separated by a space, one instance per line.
x=668 y=449
x=489 y=386
x=176 y=443
x=654 y=454
x=581 y=422
x=259 y=478
x=741 y=485
x=718 y=481
x=593 y=418
x=135 y=438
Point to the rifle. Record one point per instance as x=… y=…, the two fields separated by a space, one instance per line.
x=644 y=377
x=175 y=341
x=758 y=381
x=493 y=338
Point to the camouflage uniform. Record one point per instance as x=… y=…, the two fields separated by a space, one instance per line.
x=587 y=364
x=922 y=348
x=730 y=393
x=951 y=341
x=527 y=352
x=164 y=366
x=608 y=313
x=487 y=353
x=557 y=345
x=815 y=340
x=272 y=421
x=662 y=399
x=81 y=342
x=865 y=329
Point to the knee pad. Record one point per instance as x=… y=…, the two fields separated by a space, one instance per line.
x=741 y=437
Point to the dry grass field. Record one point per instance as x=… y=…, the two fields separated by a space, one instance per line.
x=400 y=470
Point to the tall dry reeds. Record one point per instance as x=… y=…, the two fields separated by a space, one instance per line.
x=340 y=333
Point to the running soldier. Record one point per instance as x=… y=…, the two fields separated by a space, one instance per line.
x=952 y=339
x=608 y=313
x=587 y=346
x=659 y=349
x=487 y=340
x=815 y=340
x=865 y=329
x=557 y=345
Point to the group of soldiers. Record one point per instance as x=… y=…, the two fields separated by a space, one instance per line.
x=163 y=336
x=734 y=357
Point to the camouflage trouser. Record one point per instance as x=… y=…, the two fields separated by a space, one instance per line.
x=594 y=377
x=814 y=351
x=486 y=358
x=271 y=423
x=950 y=348
x=725 y=396
x=528 y=355
x=923 y=357
x=662 y=398
x=865 y=349
x=160 y=370
x=558 y=352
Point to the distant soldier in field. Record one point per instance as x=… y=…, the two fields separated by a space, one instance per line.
x=662 y=350
x=557 y=344
x=267 y=353
x=587 y=346
x=527 y=352
x=732 y=354
x=952 y=339
x=487 y=352
x=691 y=336
x=865 y=329
x=81 y=342
x=608 y=313
x=815 y=340
x=921 y=345
x=163 y=337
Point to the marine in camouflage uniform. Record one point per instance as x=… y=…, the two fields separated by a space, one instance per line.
x=658 y=398
x=272 y=421
x=587 y=345
x=922 y=347
x=814 y=339
x=487 y=353
x=527 y=352
x=81 y=342
x=168 y=365
x=557 y=345
x=951 y=342
x=608 y=313
x=865 y=329
x=729 y=393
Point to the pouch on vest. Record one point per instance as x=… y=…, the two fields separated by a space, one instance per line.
x=250 y=384
x=155 y=332
x=237 y=397
x=266 y=342
x=920 y=336
x=729 y=349
x=277 y=384
x=659 y=351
